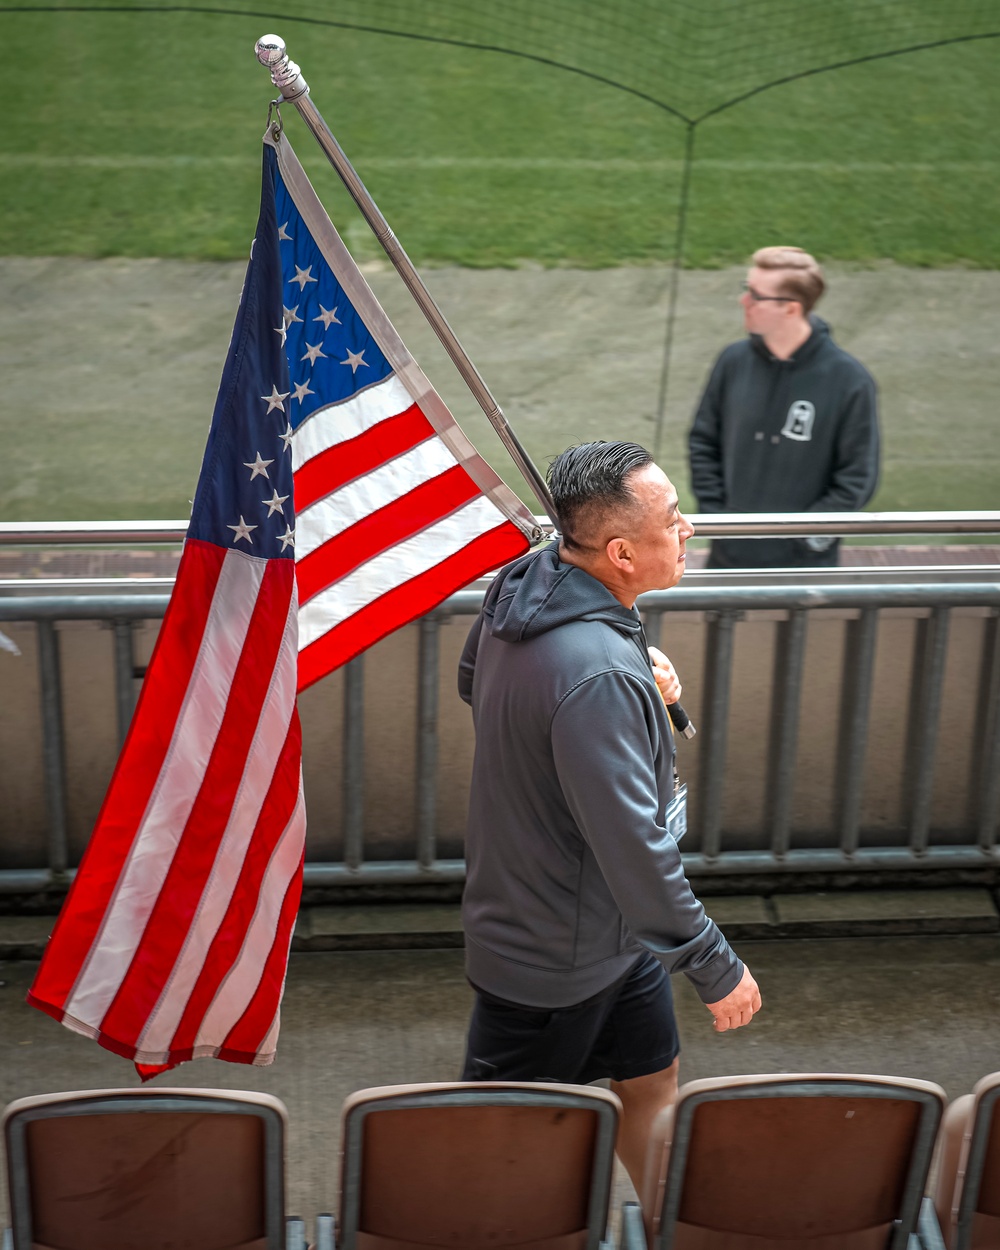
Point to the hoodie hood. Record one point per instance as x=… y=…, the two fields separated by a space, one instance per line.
x=522 y=601
x=814 y=343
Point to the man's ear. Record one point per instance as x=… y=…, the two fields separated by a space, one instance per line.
x=619 y=552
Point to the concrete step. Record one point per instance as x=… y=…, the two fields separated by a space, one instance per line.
x=751 y=917
x=379 y=926
x=855 y=913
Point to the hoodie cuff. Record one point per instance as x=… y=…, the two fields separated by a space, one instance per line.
x=714 y=980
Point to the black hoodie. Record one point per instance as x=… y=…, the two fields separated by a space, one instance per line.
x=571 y=870
x=796 y=435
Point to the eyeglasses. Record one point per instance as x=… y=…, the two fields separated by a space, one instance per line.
x=765 y=299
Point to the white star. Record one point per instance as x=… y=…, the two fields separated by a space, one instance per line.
x=273 y=504
x=313 y=352
x=287 y=437
x=257 y=466
x=275 y=399
x=354 y=359
x=283 y=332
x=302 y=276
x=301 y=391
x=242 y=531
x=283 y=233
x=327 y=317
x=287 y=539
x=290 y=314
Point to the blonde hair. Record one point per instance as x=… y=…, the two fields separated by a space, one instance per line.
x=801 y=276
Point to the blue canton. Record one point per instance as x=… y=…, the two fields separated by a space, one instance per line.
x=244 y=496
x=331 y=354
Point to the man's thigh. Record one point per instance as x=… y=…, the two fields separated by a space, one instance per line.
x=508 y=1042
x=627 y=1033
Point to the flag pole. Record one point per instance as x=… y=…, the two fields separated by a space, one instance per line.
x=287 y=77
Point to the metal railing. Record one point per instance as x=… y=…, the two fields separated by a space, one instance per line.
x=732 y=525
x=724 y=608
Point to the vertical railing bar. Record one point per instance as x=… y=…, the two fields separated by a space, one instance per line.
x=652 y=623
x=715 y=713
x=53 y=744
x=788 y=663
x=124 y=677
x=989 y=770
x=428 y=674
x=859 y=668
x=354 y=762
x=925 y=711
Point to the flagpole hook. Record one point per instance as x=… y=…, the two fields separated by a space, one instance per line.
x=285 y=74
x=274 y=123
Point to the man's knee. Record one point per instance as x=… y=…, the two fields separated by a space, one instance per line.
x=656 y=1087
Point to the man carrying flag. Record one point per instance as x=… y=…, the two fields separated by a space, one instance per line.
x=576 y=906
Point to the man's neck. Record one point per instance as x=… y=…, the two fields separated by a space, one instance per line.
x=786 y=341
x=599 y=574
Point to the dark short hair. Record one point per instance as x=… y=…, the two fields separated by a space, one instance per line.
x=591 y=479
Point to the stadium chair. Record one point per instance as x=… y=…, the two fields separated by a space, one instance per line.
x=967 y=1195
x=800 y=1162
x=159 y=1169
x=477 y=1166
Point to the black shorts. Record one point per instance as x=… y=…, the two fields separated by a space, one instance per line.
x=626 y=1031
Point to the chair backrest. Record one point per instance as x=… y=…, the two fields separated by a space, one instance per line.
x=968 y=1185
x=810 y=1161
x=159 y=1168
x=478 y=1166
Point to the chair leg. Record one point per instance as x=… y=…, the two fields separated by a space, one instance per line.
x=326 y=1232
x=295 y=1233
x=928 y=1228
x=633 y=1231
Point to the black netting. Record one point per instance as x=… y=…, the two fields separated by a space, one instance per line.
x=691 y=57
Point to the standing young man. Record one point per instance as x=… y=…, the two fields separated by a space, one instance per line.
x=788 y=421
x=576 y=905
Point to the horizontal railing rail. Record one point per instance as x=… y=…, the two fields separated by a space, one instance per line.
x=722 y=608
x=708 y=525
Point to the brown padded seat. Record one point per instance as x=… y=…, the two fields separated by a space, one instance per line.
x=976 y=1114
x=492 y=1176
x=159 y=1179
x=822 y=1169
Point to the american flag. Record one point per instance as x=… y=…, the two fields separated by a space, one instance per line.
x=396 y=509
x=173 y=943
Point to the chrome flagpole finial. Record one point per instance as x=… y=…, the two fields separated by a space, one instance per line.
x=285 y=74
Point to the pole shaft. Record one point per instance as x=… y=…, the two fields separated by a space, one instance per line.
x=298 y=94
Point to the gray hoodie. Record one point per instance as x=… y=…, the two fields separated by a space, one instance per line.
x=571 y=871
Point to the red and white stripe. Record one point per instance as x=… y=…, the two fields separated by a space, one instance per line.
x=201 y=835
x=388 y=523
x=395 y=509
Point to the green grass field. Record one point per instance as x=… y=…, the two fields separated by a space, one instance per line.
x=138 y=136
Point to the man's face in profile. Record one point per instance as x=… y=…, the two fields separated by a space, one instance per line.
x=764 y=309
x=660 y=534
